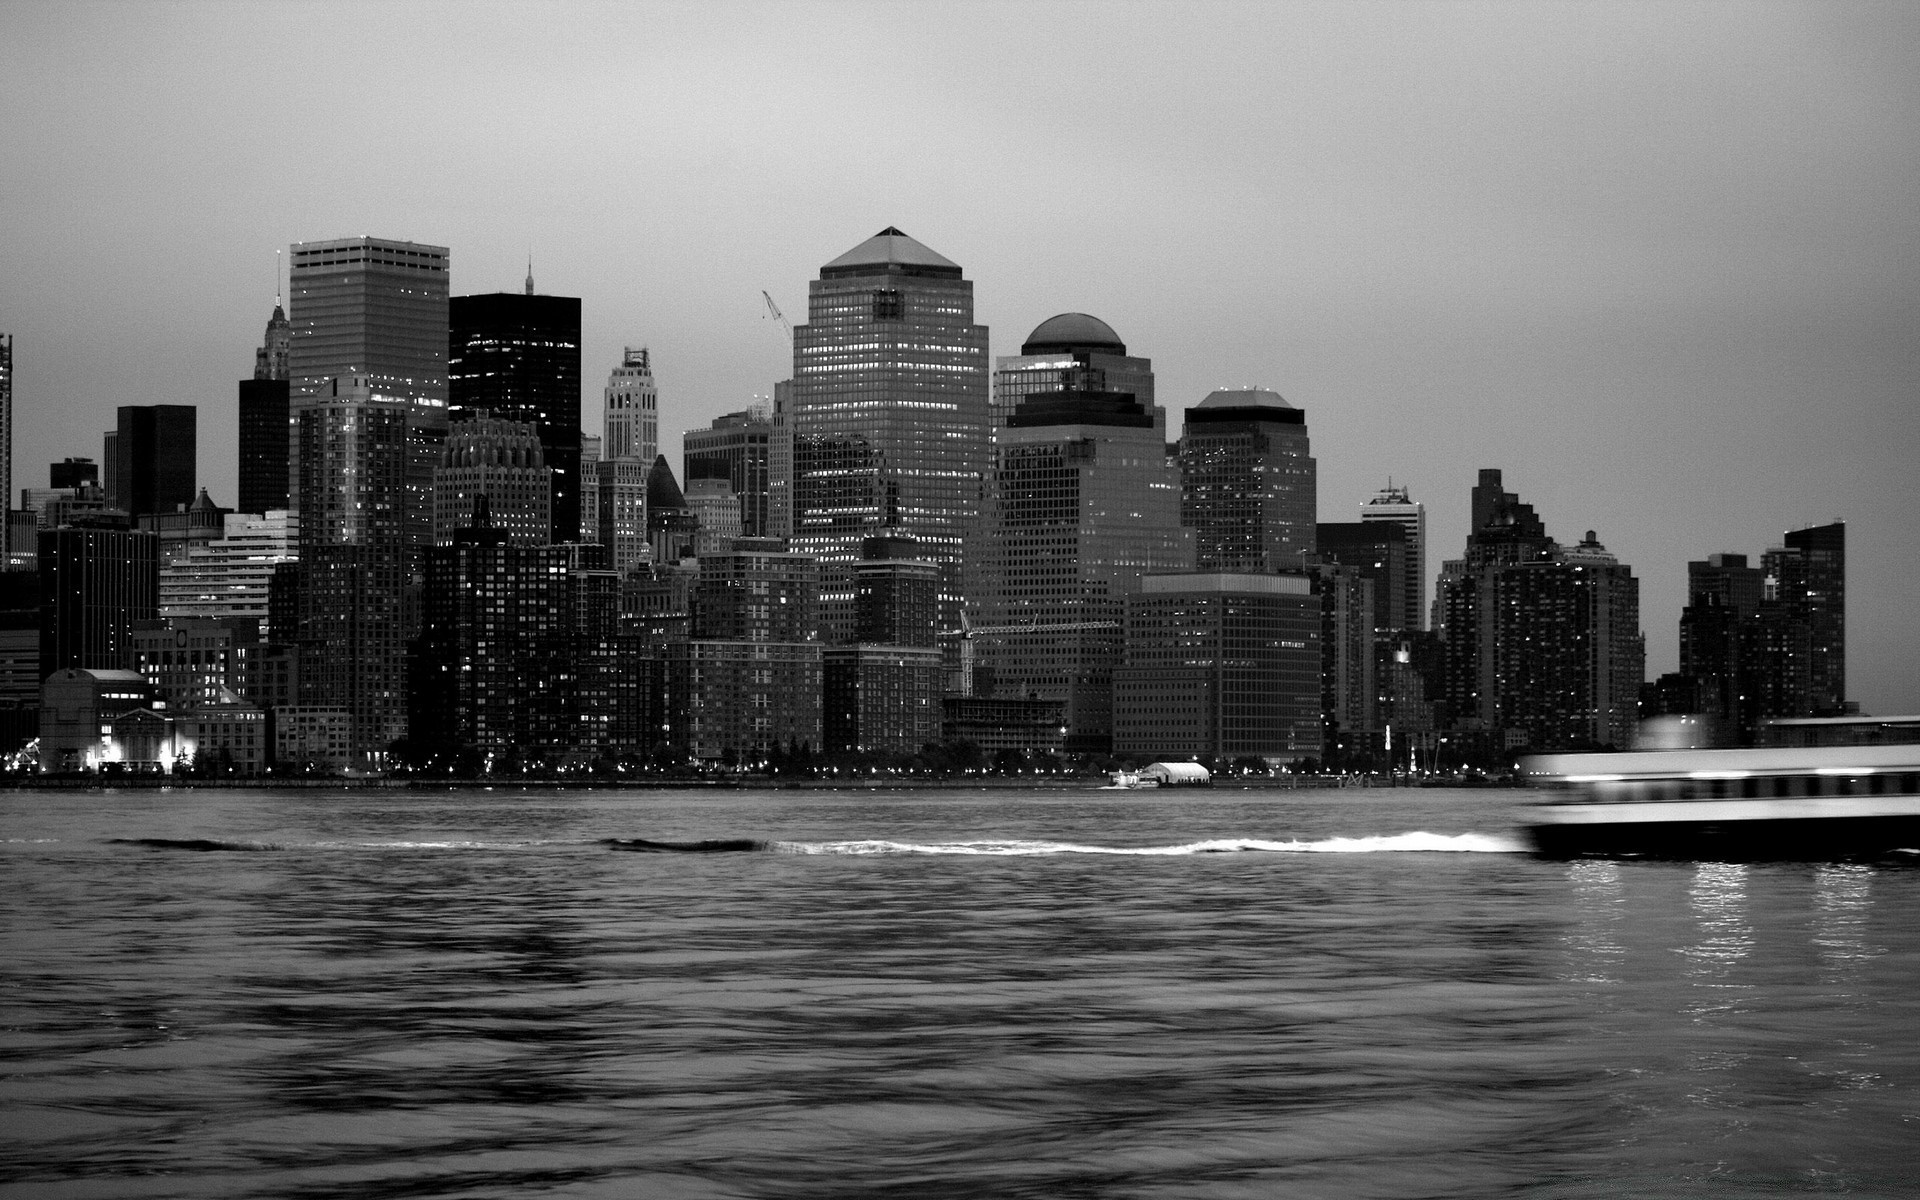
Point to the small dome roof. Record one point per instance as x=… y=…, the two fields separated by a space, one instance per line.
x=1073 y=331
x=1244 y=398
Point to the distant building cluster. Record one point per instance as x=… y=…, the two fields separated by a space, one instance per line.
x=906 y=545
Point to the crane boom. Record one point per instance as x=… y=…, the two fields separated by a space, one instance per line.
x=777 y=314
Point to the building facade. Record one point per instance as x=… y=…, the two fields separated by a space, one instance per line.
x=736 y=449
x=154 y=458
x=1247 y=482
x=889 y=417
x=1393 y=506
x=515 y=356
x=1220 y=666
x=632 y=421
x=504 y=462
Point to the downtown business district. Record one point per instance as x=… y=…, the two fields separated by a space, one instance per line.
x=904 y=559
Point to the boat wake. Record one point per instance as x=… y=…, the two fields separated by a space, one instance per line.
x=1465 y=843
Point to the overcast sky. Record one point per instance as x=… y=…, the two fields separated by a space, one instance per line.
x=1656 y=262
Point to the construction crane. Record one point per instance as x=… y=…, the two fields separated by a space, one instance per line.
x=777 y=314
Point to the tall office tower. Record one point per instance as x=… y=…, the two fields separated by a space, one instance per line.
x=516 y=357
x=20 y=673
x=153 y=458
x=1082 y=501
x=735 y=449
x=264 y=420
x=1379 y=551
x=503 y=461
x=780 y=462
x=889 y=415
x=716 y=513
x=1247 y=482
x=374 y=309
x=1393 y=506
x=1543 y=643
x=1072 y=352
x=747 y=683
x=1810 y=576
x=356 y=557
x=232 y=576
x=589 y=487
x=1220 y=666
x=95 y=581
x=633 y=409
x=6 y=417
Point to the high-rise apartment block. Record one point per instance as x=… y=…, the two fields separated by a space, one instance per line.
x=1393 y=506
x=516 y=357
x=6 y=418
x=1082 y=501
x=1247 y=482
x=889 y=418
x=1543 y=642
x=230 y=577
x=1809 y=571
x=1379 y=551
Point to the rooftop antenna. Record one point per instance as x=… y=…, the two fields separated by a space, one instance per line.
x=529 y=271
x=278 y=294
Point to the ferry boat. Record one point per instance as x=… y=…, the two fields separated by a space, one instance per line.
x=1808 y=802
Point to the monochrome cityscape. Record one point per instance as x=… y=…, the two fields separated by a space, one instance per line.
x=909 y=555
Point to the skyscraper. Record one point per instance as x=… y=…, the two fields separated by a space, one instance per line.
x=1393 y=506
x=633 y=409
x=516 y=357
x=1247 y=482
x=375 y=310
x=1070 y=352
x=889 y=417
x=503 y=461
x=6 y=420
x=356 y=557
x=96 y=580
x=265 y=434
x=154 y=458
x=1809 y=571
x=1082 y=501
x=735 y=449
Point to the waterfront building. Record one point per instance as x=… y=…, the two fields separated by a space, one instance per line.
x=1809 y=570
x=313 y=737
x=357 y=556
x=515 y=356
x=77 y=708
x=20 y=673
x=1082 y=501
x=151 y=458
x=1348 y=686
x=1393 y=506
x=883 y=692
x=1543 y=642
x=376 y=310
x=96 y=580
x=889 y=415
x=737 y=449
x=505 y=462
x=1219 y=666
x=1247 y=482
x=192 y=660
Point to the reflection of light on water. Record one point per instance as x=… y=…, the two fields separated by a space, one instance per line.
x=1842 y=898
x=1592 y=944
x=1719 y=901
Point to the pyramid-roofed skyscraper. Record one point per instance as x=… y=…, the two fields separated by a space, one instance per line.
x=889 y=415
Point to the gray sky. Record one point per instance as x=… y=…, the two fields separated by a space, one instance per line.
x=1656 y=262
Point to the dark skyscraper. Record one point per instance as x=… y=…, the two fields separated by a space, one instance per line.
x=95 y=582
x=1379 y=551
x=1247 y=482
x=889 y=417
x=153 y=458
x=6 y=421
x=1809 y=574
x=516 y=357
x=265 y=433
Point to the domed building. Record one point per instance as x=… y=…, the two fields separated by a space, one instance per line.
x=1070 y=353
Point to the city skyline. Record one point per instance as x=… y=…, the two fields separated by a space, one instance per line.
x=1657 y=265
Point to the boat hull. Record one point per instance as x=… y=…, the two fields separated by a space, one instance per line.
x=1730 y=831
